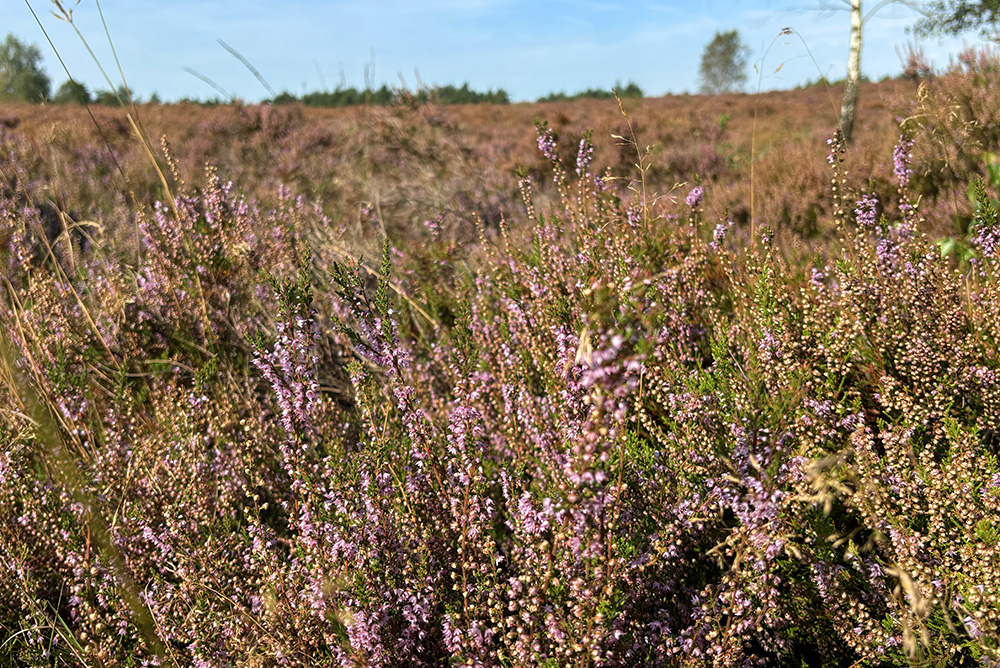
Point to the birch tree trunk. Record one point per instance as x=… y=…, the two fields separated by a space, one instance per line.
x=850 y=103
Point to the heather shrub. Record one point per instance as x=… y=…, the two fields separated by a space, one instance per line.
x=954 y=116
x=609 y=428
x=415 y=161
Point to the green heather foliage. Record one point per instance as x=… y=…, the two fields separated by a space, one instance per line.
x=608 y=430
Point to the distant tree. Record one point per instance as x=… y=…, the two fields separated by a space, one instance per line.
x=450 y=94
x=561 y=96
x=284 y=97
x=21 y=74
x=115 y=98
x=630 y=90
x=724 y=64
x=72 y=92
x=385 y=96
x=953 y=17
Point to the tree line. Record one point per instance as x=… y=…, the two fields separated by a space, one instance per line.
x=350 y=96
x=22 y=79
x=631 y=90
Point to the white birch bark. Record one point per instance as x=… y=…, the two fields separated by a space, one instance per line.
x=850 y=103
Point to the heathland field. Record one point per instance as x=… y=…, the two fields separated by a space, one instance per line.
x=683 y=382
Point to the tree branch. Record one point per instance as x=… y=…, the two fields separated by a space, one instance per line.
x=912 y=4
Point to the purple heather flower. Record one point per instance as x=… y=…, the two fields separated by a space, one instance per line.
x=547 y=143
x=584 y=155
x=818 y=278
x=603 y=183
x=289 y=368
x=836 y=145
x=433 y=226
x=886 y=251
x=721 y=230
x=901 y=159
x=695 y=197
x=865 y=212
x=770 y=346
x=972 y=626
x=634 y=215
x=452 y=635
x=988 y=240
x=916 y=66
x=719 y=234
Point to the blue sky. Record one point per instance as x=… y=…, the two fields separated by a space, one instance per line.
x=528 y=47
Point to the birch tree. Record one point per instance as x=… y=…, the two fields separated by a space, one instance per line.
x=859 y=19
x=724 y=64
x=849 y=106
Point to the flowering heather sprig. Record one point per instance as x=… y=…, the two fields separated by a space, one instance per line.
x=987 y=239
x=818 y=278
x=290 y=369
x=524 y=186
x=987 y=229
x=719 y=234
x=695 y=197
x=838 y=182
x=979 y=59
x=547 y=142
x=584 y=154
x=865 y=212
x=433 y=225
x=15 y=239
x=915 y=65
x=633 y=215
x=837 y=148
x=770 y=347
x=901 y=156
x=604 y=184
